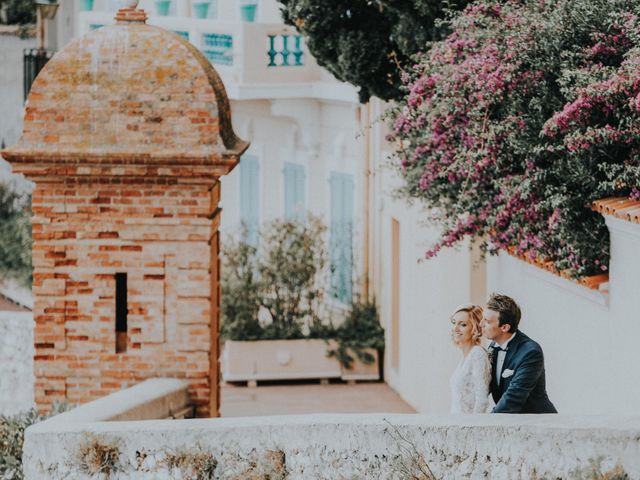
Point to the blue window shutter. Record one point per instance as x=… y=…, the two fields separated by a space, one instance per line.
x=341 y=236
x=294 y=204
x=249 y=196
x=289 y=190
x=300 y=196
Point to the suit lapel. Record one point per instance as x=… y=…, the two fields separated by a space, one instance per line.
x=511 y=351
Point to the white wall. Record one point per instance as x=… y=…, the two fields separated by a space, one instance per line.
x=590 y=341
x=16 y=362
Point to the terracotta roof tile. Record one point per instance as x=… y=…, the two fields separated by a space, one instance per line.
x=619 y=207
x=593 y=282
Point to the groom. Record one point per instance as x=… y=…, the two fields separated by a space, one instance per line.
x=517 y=365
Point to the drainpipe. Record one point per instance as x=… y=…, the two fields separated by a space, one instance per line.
x=365 y=124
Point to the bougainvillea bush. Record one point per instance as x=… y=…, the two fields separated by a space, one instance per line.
x=518 y=120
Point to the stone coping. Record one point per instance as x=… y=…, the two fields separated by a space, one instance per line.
x=152 y=399
x=344 y=446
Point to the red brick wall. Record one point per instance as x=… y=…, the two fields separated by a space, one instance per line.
x=159 y=232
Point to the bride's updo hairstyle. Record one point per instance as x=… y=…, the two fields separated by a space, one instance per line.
x=475 y=317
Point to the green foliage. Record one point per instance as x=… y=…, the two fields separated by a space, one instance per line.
x=240 y=287
x=361 y=330
x=293 y=258
x=364 y=41
x=284 y=278
x=18 y=12
x=12 y=437
x=15 y=234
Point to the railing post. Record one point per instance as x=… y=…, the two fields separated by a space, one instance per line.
x=285 y=51
x=272 y=51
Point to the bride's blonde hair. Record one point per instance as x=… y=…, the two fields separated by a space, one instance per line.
x=475 y=316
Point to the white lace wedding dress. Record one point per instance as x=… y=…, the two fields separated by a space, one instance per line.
x=470 y=383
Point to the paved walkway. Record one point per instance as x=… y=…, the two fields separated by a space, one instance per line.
x=241 y=401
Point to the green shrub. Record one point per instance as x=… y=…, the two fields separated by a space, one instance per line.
x=240 y=287
x=12 y=438
x=18 y=12
x=15 y=233
x=283 y=277
x=361 y=330
x=290 y=268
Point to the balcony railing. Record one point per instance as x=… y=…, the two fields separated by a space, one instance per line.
x=34 y=60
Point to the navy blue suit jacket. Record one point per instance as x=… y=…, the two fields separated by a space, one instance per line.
x=524 y=391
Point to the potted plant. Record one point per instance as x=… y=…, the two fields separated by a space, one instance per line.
x=248 y=9
x=359 y=341
x=272 y=301
x=162 y=7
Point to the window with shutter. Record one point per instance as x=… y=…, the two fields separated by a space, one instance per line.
x=294 y=194
x=249 y=197
x=341 y=236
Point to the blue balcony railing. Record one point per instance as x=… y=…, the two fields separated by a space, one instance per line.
x=218 y=48
x=285 y=51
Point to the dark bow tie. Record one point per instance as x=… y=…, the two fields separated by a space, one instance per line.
x=497 y=348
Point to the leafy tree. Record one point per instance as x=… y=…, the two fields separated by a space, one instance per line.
x=15 y=234
x=364 y=42
x=18 y=12
x=12 y=429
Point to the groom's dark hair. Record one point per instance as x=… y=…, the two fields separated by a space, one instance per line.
x=507 y=308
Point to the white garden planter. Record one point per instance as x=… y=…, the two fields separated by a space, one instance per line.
x=287 y=360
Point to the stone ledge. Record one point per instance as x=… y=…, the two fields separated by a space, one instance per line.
x=346 y=446
x=156 y=398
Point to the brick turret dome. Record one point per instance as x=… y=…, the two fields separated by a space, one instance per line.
x=133 y=93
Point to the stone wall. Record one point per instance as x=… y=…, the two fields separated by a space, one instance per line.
x=336 y=446
x=16 y=362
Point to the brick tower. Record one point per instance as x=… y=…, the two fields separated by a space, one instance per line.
x=126 y=133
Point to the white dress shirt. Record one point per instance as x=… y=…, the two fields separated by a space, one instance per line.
x=500 y=361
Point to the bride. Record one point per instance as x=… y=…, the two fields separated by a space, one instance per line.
x=470 y=380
